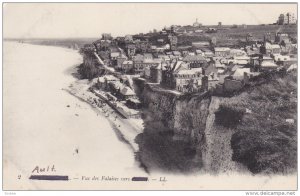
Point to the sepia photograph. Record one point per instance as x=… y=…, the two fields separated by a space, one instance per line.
x=150 y=96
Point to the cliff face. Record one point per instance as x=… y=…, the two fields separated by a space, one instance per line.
x=185 y=116
x=159 y=107
x=190 y=116
x=252 y=131
x=173 y=138
x=89 y=69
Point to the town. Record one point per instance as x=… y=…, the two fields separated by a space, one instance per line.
x=219 y=59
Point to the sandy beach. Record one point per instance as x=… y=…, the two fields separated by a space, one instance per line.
x=44 y=125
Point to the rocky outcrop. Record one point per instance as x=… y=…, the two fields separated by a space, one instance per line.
x=188 y=122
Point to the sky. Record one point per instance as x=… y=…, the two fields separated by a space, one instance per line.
x=90 y=20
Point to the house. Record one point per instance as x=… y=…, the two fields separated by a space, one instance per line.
x=207 y=53
x=126 y=93
x=198 y=31
x=240 y=60
x=131 y=49
x=164 y=58
x=279 y=37
x=188 y=80
x=104 y=81
x=106 y=36
x=139 y=64
x=173 y=41
x=115 y=87
x=184 y=53
x=195 y=61
x=222 y=51
x=220 y=68
x=100 y=83
x=237 y=52
x=128 y=38
x=127 y=66
x=114 y=55
x=252 y=50
x=213 y=79
x=284 y=60
x=276 y=49
x=199 y=52
x=120 y=59
x=148 y=56
x=176 y=53
x=292 y=67
x=211 y=30
x=168 y=73
x=268 y=65
x=279 y=57
x=142 y=46
x=269 y=48
x=239 y=73
x=156 y=73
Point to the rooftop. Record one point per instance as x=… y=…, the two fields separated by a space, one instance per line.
x=190 y=58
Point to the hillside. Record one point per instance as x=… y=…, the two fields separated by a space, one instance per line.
x=262 y=139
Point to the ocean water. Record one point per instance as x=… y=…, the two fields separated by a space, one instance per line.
x=40 y=130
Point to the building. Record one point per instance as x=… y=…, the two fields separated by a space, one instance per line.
x=127 y=67
x=131 y=49
x=268 y=65
x=249 y=38
x=114 y=55
x=268 y=38
x=222 y=51
x=128 y=38
x=195 y=61
x=142 y=46
x=279 y=37
x=288 y=18
x=126 y=93
x=148 y=56
x=268 y=49
x=240 y=72
x=197 y=24
x=139 y=65
x=188 y=80
x=104 y=81
x=106 y=36
x=156 y=73
x=237 y=53
x=207 y=53
x=120 y=59
x=173 y=41
x=280 y=20
x=176 y=53
x=213 y=41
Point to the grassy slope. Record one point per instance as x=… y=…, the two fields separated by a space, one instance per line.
x=263 y=141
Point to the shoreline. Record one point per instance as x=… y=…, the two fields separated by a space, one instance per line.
x=123 y=129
